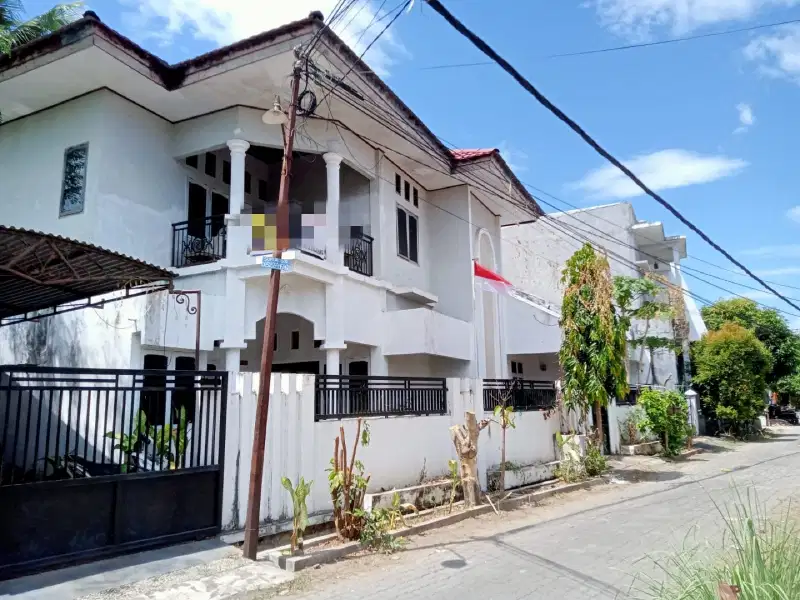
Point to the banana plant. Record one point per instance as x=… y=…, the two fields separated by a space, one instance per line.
x=130 y=444
x=300 y=520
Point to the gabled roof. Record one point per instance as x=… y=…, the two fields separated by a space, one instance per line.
x=173 y=76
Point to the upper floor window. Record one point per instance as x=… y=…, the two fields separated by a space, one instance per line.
x=73 y=185
x=407 y=235
x=191 y=161
x=211 y=164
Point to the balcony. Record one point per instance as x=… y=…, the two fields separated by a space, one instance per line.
x=199 y=241
x=358 y=254
x=521 y=395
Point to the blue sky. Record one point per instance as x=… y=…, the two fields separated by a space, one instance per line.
x=709 y=123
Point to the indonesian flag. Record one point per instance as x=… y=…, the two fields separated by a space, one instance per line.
x=492 y=282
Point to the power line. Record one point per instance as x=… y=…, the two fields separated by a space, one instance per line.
x=497 y=193
x=528 y=86
x=627 y=46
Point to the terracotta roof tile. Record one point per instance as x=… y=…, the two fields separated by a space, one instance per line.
x=462 y=154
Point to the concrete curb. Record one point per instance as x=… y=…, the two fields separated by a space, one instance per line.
x=294 y=564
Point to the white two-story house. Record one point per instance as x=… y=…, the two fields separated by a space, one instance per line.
x=106 y=143
x=534 y=258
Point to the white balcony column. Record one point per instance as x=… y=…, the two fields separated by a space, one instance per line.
x=238 y=152
x=332 y=361
x=332 y=250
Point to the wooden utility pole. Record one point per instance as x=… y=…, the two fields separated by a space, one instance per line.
x=250 y=547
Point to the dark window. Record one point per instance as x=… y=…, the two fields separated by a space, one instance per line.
x=219 y=208
x=211 y=164
x=191 y=161
x=262 y=190
x=295 y=340
x=183 y=396
x=407 y=191
x=153 y=399
x=402 y=233
x=73 y=184
x=398 y=184
x=416 y=197
x=275 y=342
x=519 y=368
x=248 y=182
x=514 y=367
x=317 y=343
x=226 y=172
x=412 y=238
x=197 y=210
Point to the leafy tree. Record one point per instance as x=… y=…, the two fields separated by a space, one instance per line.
x=635 y=299
x=768 y=326
x=731 y=366
x=594 y=345
x=15 y=30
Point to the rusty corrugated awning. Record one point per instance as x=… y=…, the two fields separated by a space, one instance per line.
x=40 y=271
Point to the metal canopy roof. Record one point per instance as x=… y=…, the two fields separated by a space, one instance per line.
x=40 y=271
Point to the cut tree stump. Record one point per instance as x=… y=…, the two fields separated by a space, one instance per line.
x=465 y=439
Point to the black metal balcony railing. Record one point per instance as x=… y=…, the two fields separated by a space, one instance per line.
x=199 y=241
x=346 y=396
x=358 y=255
x=519 y=394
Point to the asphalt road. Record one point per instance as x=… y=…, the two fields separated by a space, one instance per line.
x=586 y=545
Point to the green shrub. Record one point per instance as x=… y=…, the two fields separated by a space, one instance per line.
x=730 y=370
x=666 y=414
x=594 y=462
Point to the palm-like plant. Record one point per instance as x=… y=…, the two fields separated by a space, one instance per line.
x=15 y=30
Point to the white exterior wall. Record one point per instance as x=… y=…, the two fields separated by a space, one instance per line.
x=535 y=257
x=402 y=450
x=136 y=189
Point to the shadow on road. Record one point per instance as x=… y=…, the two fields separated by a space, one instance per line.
x=638 y=475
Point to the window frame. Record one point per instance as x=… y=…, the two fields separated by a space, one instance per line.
x=408 y=213
x=62 y=212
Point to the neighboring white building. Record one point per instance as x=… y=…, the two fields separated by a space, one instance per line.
x=534 y=257
x=105 y=143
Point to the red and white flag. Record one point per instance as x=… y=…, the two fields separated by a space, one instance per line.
x=492 y=282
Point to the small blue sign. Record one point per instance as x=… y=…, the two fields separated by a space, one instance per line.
x=280 y=264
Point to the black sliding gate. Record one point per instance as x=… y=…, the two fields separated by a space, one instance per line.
x=96 y=462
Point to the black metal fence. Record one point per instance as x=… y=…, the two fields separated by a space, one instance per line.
x=106 y=461
x=358 y=255
x=199 y=241
x=345 y=396
x=519 y=394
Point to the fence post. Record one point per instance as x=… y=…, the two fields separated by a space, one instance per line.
x=231 y=510
x=483 y=444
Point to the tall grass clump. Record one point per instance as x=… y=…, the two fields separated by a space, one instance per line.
x=759 y=553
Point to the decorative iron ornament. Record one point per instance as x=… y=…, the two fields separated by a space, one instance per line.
x=183 y=298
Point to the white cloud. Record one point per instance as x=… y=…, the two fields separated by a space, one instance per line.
x=746 y=117
x=784 y=251
x=637 y=19
x=515 y=159
x=777 y=54
x=663 y=170
x=226 y=21
x=779 y=272
x=794 y=213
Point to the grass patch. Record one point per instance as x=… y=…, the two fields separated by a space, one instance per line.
x=760 y=554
